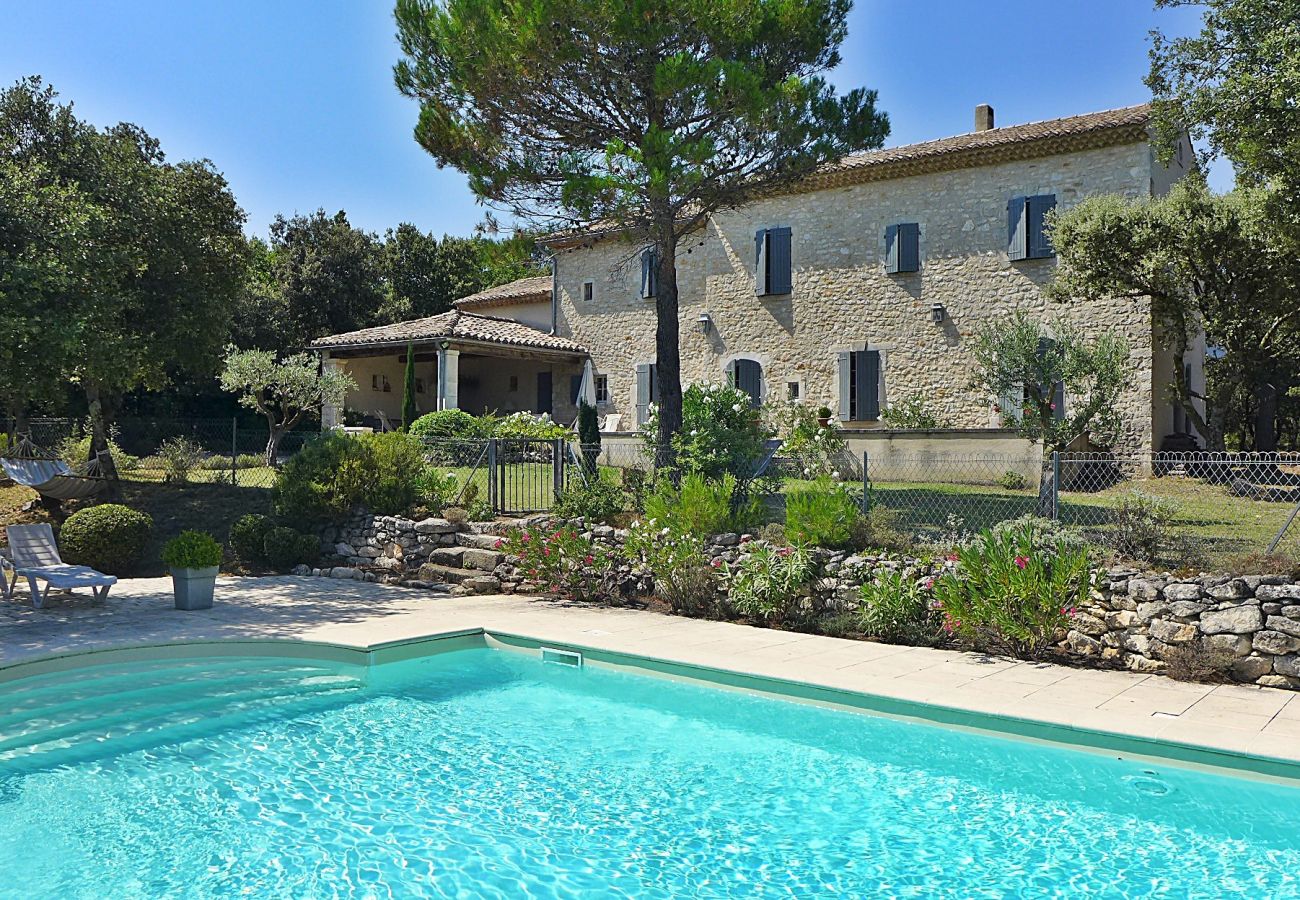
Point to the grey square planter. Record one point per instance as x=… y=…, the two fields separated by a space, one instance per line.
x=193 y=587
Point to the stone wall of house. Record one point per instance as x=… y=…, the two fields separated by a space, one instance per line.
x=842 y=298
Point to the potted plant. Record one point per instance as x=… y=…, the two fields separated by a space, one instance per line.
x=823 y=416
x=194 y=558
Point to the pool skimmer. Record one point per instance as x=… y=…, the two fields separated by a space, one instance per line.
x=562 y=657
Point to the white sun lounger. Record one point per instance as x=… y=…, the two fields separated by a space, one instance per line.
x=34 y=555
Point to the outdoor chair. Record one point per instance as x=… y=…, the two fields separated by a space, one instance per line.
x=34 y=555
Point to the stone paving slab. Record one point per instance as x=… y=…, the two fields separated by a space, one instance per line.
x=1235 y=719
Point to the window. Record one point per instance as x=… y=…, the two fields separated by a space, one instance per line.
x=380 y=383
x=588 y=291
x=1026 y=236
x=602 y=388
x=902 y=248
x=649 y=273
x=647 y=391
x=747 y=375
x=793 y=391
x=772 y=263
x=860 y=385
x=514 y=384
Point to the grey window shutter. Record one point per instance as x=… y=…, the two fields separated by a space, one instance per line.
x=1039 y=243
x=1058 y=398
x=747 y=375
x=868 y=384
x=1017 y=246
x=642 y=393
x=649 y=273
x=846 y=391
x=760 y=262
x=891 y=249
x=780 y=277
x=575 y=385
x=909 y=247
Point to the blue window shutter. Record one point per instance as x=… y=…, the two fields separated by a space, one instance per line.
x=891 y=249
x=760 y=262
x=649 y=273
x=1017 y=246
x=643 y=381
x=1039 y=243
x=780 y=278
x=846 y=390
x=909 y=247
x=867 y=376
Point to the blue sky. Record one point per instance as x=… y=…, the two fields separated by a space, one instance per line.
x=294 y=101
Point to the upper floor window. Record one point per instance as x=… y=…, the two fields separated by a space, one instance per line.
x=1026 y=236
x=902 y=248
x=588 y=291
x=602 y=388
x=772 y=262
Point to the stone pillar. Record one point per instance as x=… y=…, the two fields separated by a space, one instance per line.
x=448 y=378
x=330 y=416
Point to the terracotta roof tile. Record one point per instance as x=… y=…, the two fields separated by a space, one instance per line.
x=453 y=325
x=526 y=290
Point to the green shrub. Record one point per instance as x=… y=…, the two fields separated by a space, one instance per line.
x=597 y=498
x=109 y=537
x=284 y=548
x=823 y=515
x=75 y=450
x=453 y=424
x=1008 y=596
x=1012 y=480
x=248 y=536
x=878 y=529
x=525 y=425
x=701 y=505
x=219 y=463
x=722 y=433
x=773 y=585
x=334 y=472
x=588 y=435
x=813 y=449
x=192 y=550
x=683 y=576
x=437 y=487
x=898 y=609
x=1142 y=524
x=179 y=456
x=913 y=413
x=1049 y=536
x=565 y=563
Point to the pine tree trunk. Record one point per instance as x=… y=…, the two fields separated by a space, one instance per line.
x=668 y=364
x=1266 y=418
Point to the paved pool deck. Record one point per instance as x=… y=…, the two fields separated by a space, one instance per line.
x=1226 y=719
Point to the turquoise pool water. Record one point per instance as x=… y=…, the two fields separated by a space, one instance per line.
x=489 y=774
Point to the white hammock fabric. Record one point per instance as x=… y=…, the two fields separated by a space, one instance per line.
x=50 y=477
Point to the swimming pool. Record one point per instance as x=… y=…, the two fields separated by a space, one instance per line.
x=487 y=773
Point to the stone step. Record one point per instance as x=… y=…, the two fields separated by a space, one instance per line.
x=483 y=560
x=478 y=541
x=447 y=556
x=447 y=574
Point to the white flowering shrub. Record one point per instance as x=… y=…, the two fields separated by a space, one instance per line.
x=814 y=450
x=722 y=433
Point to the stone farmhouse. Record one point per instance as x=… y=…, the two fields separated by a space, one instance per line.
x=858 y=287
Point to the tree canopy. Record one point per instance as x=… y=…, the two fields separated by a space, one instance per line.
x=1205 y=261
x=647 y=116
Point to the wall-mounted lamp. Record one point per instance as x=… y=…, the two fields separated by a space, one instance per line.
x=445 y=345
x=938 y=313
x=705 y=323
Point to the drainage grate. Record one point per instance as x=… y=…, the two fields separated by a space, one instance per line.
x=562 y=657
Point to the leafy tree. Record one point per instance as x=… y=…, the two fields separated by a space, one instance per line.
x=133 y=283
x=284 y=391
x=1205 y=261
x=645 y=116
x=1236 y=84
x=329 y=274
x=261 y=316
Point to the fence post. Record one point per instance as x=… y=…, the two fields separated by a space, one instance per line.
x=234 y=450
x=866 y=484
x=492 y=473
x=557 y=464
x=1056 y=485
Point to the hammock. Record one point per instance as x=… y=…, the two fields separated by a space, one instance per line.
x=49 y=476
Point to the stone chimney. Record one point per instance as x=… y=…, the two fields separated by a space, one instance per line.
x=983 y=117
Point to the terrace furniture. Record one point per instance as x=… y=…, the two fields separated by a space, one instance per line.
x=50 y=476
x=612 y=422
x=34 y=555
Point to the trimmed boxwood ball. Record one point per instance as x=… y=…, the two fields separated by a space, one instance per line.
x=248 y=537
x=286 y=547
x=192 y=550
x=110 y=537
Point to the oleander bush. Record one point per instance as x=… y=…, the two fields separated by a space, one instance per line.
x=565 y=563
x=684 y=577
x=773 y=585
x=823 y=515
x=192 y=550
x=109 y=537
x=722 y=433
x=1008 y=595
x=597 y=498
x=900 y=609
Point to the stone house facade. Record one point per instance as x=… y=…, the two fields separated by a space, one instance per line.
x=859 y=287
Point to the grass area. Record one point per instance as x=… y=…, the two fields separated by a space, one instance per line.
x=252 y=476
x=174 y=508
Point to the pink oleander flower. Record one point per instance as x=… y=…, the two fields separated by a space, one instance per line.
x=717 y=564
x=929 y=583
x=589 y=559
x=952 y=557
x=784 y=551
x=546 y=551
x=1051 y=406
x=1022 y=561
x=499 y=544
x=526 y=537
